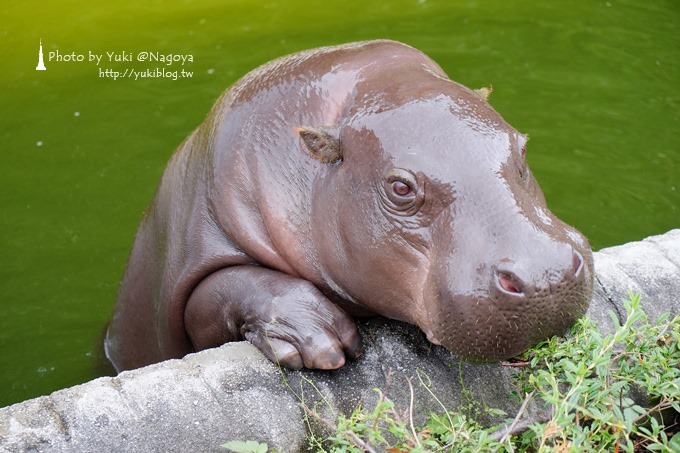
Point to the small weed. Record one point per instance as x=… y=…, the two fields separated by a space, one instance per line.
x=247 y=446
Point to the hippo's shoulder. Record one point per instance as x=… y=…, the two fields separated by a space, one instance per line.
x=378 y=48
x=315 y=63
x=386 y=47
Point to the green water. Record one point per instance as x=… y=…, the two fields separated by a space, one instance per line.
x=594 y=83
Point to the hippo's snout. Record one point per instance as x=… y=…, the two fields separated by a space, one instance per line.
x=510 y=283
x=516 y=303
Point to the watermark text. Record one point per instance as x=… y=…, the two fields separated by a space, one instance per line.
x=124 y=64
x=167 y=59
x=155 y=73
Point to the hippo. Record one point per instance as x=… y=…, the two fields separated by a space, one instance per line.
x=339 y=183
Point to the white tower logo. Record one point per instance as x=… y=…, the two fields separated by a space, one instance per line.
x=41 y=64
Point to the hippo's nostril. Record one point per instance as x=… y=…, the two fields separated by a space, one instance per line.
x=577 y=263
x=509 y=283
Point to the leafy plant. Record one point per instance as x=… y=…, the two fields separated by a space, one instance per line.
x=588 y=382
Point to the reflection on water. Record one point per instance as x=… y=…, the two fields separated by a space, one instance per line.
x=594 y=84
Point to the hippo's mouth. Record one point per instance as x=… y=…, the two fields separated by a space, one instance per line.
x=486 y=329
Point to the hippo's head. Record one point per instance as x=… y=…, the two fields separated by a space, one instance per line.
x=429 y=214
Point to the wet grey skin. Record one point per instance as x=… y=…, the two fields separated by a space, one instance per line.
x=344 y=182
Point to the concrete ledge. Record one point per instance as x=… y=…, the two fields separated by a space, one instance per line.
x=234 y=393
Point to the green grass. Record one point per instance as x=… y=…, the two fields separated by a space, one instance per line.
x=619 y=393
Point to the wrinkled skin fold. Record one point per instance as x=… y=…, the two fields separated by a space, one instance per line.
x=342 y=182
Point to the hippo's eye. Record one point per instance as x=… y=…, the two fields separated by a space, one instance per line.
x=400 y=188
x=400 y=192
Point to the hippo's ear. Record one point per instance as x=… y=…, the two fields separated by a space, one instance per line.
x=321 y=143
x=484 y=92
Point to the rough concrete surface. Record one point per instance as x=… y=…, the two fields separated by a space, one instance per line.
x=234 y=393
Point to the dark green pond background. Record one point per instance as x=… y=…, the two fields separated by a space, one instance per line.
x=594 y=83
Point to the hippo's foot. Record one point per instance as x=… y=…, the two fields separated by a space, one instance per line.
x=286 y=318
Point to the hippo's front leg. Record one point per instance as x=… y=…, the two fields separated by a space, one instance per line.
x=287 y=318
